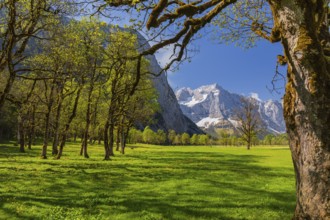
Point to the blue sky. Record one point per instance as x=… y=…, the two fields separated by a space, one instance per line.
x=237 y=70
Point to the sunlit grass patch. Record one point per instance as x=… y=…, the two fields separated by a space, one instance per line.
x=148 y=182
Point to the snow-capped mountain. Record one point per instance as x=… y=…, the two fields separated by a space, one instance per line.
x=213 y=106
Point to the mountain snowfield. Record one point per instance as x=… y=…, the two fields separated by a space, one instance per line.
x=212 y=106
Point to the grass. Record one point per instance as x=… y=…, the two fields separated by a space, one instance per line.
x=148 y=182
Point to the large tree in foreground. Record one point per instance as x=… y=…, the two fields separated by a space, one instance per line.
x=302 y=28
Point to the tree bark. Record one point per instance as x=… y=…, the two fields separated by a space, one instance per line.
x=57 y=126
x=109 y=127
x=46 y=135
x=106 y=141
x=99 y=136
x=84 y=144
x=21 y=136
x=47 y=120
x=108 y=137
x=111 y=139
x=31 y=133
x=123 y=140
x=118 y=138
x=68 y=123
x=305 y=39
x=88 y=122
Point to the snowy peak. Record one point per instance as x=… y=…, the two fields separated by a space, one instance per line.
x=255 y=96
x=209 y=88
x=213 y=106
x=189 y=97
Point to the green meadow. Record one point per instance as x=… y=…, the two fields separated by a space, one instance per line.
x=148 y=182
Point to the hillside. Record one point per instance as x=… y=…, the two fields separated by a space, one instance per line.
x=170 y=115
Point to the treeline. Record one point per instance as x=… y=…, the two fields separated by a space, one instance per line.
x=233 y=138
x=226 y=138
x=270 y=139
x=78 y=79
x=161 y=137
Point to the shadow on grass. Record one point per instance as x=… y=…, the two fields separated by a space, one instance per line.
x=10 y=151
x=154 y=182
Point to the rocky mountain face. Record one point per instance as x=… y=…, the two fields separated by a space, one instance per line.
x=212 y=106
x=170 y=115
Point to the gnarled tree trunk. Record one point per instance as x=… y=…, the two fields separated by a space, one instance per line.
x=106 y=141
x=31 y=132
x=57 y=127
x=47 y=120
x=304 y=34
x=111 y=138
x=21 y=133
x=68 y=123
x=118 y=138
x=84 y=144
